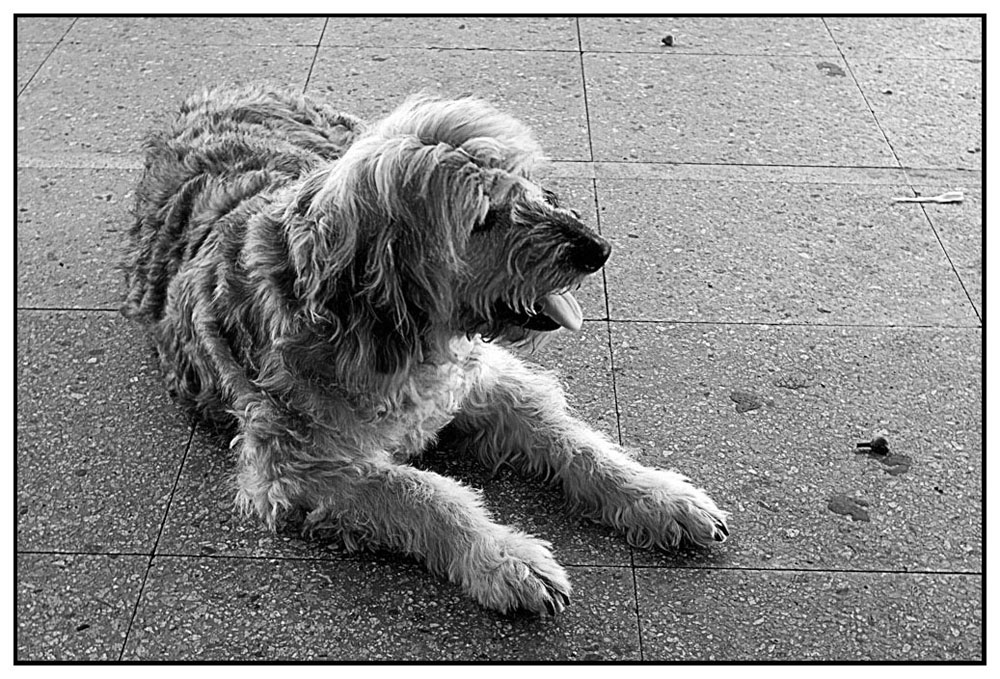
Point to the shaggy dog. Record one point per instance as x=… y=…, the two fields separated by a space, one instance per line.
x=342 y=292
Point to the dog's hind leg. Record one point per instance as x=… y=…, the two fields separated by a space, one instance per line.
x=377 y=503
x=516 y=414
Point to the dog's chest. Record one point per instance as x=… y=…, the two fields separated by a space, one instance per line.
x=429 y=401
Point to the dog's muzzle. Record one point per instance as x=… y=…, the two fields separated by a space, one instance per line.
x=560 y=309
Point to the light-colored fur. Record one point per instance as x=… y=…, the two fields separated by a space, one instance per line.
x=343 y=292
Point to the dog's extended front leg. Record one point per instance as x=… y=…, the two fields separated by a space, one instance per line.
x=443 y=523
x=516 y=414
x=375 y=502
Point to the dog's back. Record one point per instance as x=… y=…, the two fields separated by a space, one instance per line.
x=218 y=164
x=224 y=149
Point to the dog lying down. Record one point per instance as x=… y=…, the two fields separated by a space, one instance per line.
x=341 y=292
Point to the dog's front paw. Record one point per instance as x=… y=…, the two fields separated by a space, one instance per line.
x=669 y=511
x=516 y=572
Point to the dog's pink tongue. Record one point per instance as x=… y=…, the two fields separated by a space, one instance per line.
x=564 y=310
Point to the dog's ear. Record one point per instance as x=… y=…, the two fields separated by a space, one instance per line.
x=379 y=241
x=413 y=205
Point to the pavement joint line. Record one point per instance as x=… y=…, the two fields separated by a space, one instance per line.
x=650 y=321
x=79 y=41
x=759 y=55
x=338 y=558
x=555 y=50
x=589 y=169
x=59 y=552
x=156 y=542
x=947 y=255
x=586 y=98
x=758 y=569
x=871 y=326
x=312 y=64
x=47 y=56
x=635 y=600
x=614 y=388
x=68 y=309
x=864 y=96
x=331 y=558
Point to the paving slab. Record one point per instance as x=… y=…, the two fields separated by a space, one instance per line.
x=960 y=228
x=105 y=97
x=908 y=37
x=543 y=89
x=767 y=418
x=70 y=226
x=745 y=251
x=198 y=30
x=687 y=108
x=495 y=33
x=785 y=36
x=99 y=443
x=47 y=30
x=280 y=610
x=75 y=606
x=781 y=616
x=930 y=110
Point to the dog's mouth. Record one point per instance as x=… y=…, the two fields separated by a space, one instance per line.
x=556 y=310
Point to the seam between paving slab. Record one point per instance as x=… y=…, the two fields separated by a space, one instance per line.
x=156 y=543
x=586 y=99
x=312 y=64
x=923 y=209
x=604 y=319
x=603 y=169
x=47 y=56
x=611 y=361
x=864 y=97
x=362 y=557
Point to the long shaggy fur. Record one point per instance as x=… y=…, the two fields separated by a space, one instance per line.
x=341 y=292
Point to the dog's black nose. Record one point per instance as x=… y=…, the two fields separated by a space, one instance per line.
x=592 y=255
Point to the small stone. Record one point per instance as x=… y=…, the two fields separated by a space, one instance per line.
x=668 y=40
x=879 y=445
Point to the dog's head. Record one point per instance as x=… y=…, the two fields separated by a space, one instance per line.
x=435 y=227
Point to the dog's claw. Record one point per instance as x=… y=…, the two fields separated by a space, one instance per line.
x=558 y=602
